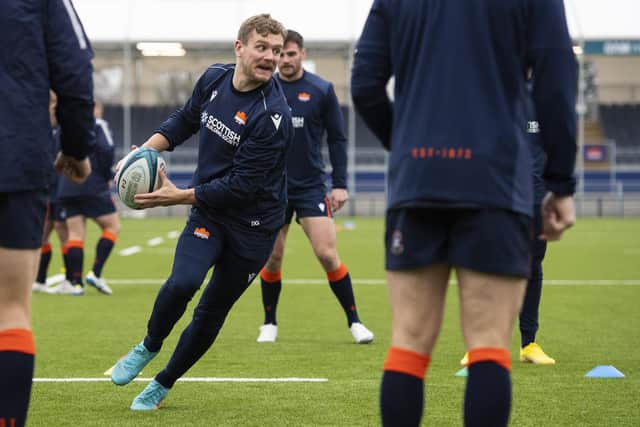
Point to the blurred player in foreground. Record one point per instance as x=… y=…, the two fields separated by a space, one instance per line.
x=238 y=199
x=460 y=177
x=315 y=109
x=43 y=47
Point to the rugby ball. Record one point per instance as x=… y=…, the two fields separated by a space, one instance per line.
x=139 y=173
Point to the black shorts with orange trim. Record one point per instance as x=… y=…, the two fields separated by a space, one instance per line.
x=487 y=240
x=312 y=203
x=22 y=219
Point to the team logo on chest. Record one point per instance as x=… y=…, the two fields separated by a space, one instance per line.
x=304 y=97
x=240 y=118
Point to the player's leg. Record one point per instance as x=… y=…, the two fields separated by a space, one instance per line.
x=530 y=351
x=321 y=232
x=110 y=226
x=490 y=249
x=489 y=305
x=60 y=225
x=76 y=224
x=239 y=263
x=197 y=249
x=40 y=284
x=22 y=217
x=271 y=285
x=417 y=272
x=417 y=301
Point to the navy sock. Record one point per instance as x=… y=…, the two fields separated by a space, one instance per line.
x=16 y=375
x=401 y=399
x=270 y=297
x=103 y=250
x=487 y=400
x=75 y=258
x=45 y=259
x=340 y=282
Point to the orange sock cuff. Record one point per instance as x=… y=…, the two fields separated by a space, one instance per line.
x=338 y=274
x=407 y=362
x=270 y=277
x=109 y=236
x=46 y=248
x=500 y=356
x=64 y=249
x=75 y=244
x=17 y=340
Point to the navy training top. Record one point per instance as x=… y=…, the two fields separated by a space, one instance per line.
x=102 y=160
x=43 y=47
x=456 y=129
x=315 y=109
x=244 y=137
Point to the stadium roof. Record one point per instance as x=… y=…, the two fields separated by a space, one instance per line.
x=318 y=20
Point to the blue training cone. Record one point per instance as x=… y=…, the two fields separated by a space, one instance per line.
x=604 y=371
x=462 y=372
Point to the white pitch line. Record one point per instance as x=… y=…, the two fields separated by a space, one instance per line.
x=155 y=241
x=552 y=282
x=173 y=234
x=190 y=380
x=130 y=250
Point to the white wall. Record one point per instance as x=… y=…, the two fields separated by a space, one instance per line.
x=324 y=20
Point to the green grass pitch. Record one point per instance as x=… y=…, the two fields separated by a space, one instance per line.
x=584 y=323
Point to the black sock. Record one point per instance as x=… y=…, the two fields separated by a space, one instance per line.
x=487 y=400
x=45 y=259
x=271 y=285
x=401 y=399
x=16 y=375
x=103 y=249
x=340 y=282
x=75 y=258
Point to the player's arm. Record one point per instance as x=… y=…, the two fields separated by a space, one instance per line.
x=554 y=71
x=255 y=159
x=69 y=57
x=337 y=142
x=371 y=72
x=550 y=55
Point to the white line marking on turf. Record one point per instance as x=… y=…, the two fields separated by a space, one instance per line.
x=130 y=250
x=190 y=380
x=553 y=282
x=155 y=241
x=173 y=234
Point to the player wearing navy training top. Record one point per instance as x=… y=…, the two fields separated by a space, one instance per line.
x=238 y=199
x=315 y=110
x=91 y=199
x=43 y=47
x=460 y=178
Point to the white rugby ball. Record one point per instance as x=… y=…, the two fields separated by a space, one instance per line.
x=139 y=173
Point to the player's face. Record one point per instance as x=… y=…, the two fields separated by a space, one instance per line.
x=290 y=61
x=257 y=59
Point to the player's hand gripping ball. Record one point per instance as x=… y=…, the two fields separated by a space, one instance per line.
x=139 y=173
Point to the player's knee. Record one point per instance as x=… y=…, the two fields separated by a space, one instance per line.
x=185 y=285
x=328 y=258
x=208 y=321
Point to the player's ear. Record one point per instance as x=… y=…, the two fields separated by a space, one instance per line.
x=237 y=47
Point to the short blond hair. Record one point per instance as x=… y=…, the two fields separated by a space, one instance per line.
x=264 y=25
